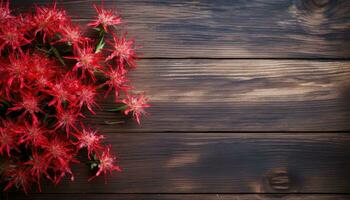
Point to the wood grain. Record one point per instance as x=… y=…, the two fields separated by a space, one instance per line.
x=229 y=29
x=239 y=95
x=221 y=163
x=171 y=197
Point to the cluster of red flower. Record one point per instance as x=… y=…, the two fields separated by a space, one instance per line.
x=47 y=79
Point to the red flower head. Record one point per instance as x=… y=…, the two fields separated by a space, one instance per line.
x=42 y=71
x=12 y=36
x=60 y=153
x=105 y=18
x=30 y=105
x=5 y=12
x=33 y=134
x=72 y=35
x=48 y=20
x=17 y=69
x=106 y=163
x=8 y=138
x=87 y=60
x=63 y=91
x=67 y=119
x=38 y=166
x=86 y=96
x=135 y=104
x=20 y=177
x=90 y=140
x=123 y=51
x=115 y=80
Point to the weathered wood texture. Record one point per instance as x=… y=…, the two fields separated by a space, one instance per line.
x=222 y=163
x=240 y=95
x=230 y=29
x=172 y=197
x=221 y=125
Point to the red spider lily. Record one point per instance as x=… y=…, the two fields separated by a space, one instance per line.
x=17 y=69
x=135 y=104
x=5 y=12
x=105 y=18
x=19 y=176
x=87 y=60
x=62 y=168
x=42 y=72
x=72 y=35
x=43 y=96
x=106 y=163
x=89 y=139
x=63 y=91
x=33 y=134
x=12 y=36
x=48 y=20
x=38 y=166
x=86 y=96
x=123 y=51
x=8 y=138
x=60 y=153
x=30 y=105
x=7 y=141
x=116 y=80
x=67 y=120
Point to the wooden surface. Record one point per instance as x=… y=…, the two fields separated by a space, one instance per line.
x=175 y=197
x=250 y=100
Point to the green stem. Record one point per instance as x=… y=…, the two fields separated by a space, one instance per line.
x=123 y=107
x=57 y=55
x=101 y=42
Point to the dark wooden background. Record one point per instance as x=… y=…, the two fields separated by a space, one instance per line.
x=251 y=100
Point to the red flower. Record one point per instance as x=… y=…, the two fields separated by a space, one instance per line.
x=12 y=36
x=90 y=140
x=38 y=166
x=105 y=18
x=48 y=20
x=86 y=96
x=87 y=60
x=106 y=163
x=19 y=176
x=63 y=91
x=115 y=80
x=135 y=104
x=42 y=71
x=30 y=105
x=72 y=35
x=60 y=154
x=33 y=134
x=17 y=69
x=67 y=120
x=8 y=138
x=5 y=12
x=123 y=51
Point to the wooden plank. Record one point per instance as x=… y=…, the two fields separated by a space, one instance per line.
x=221 y=163
x=172 y=197
x=239 y=95
x=230 y=29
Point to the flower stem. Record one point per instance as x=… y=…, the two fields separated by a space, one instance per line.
x=57 y=55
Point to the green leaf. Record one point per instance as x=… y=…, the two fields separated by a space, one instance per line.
x=97 y=29
x=45 y=118
x=119 y=108
x=57 y=55
x=7 y=104
x=100 y=45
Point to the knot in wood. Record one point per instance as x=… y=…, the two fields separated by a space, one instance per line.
x=279 y=180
